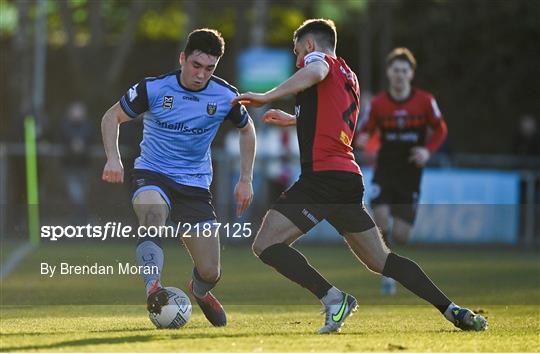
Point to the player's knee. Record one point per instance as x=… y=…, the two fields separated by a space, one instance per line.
x=209 y=273
x=151 y=215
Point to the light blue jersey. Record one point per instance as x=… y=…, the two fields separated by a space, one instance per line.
x=180 y=125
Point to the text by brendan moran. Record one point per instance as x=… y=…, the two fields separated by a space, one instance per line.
x=64 y=268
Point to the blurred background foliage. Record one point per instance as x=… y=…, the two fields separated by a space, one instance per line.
x=479 y=57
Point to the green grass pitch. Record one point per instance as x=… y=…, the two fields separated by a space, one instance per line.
x=265 y=312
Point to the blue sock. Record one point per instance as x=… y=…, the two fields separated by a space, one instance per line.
x=150 y=254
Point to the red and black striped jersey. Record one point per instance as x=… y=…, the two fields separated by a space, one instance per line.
x=403 y=125
x=326 y=118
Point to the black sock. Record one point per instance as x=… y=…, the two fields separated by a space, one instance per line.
x=411 y=276
x=293 y=265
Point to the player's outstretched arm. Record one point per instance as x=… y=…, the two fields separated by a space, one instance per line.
x=113 y=171
x=304 y=78
x=279 y=118
x=243 y=191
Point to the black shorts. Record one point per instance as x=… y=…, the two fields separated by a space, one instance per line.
x=401 y=197
x=186 y=203
x=332 y=195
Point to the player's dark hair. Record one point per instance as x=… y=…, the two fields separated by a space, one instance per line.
x=401 y=53
x=206 y=40
x=323 y=30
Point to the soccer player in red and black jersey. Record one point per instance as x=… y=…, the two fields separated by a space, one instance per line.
x=330 y=186
x=411 y=128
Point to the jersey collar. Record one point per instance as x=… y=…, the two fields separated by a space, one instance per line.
x=185 y=88
x=408 y=98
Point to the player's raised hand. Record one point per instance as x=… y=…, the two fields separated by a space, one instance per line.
x=113 y=172
x=243 y=192
x=251 y=99
x=279 y=118
x=419 y=156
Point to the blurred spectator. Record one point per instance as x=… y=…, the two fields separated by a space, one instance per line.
x=280 y=170
x=77 y=135
x=527 y=139
x=277 y=154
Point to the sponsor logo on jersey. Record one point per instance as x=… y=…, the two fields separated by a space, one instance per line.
x=211 y=108
x=182 y=128
x=191 y=98
x=168 y=102
x=400 y=112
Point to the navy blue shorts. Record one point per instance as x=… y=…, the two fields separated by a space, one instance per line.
x=187 y=204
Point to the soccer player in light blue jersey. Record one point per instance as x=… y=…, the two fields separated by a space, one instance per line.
x=182 y=112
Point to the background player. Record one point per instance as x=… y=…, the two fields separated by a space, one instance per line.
x=182 y=113
x=330 y=186
x=411 y=128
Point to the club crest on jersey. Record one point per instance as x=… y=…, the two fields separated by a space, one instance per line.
x=211 y=108
x=168 y=102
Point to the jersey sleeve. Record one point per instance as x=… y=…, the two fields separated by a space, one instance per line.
x=135 y=101
x=437 y=123
x=238 y=115
x=313 y=57
x=434 y=113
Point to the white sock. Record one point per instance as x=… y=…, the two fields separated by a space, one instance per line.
x=448 y=313
x=333 y=296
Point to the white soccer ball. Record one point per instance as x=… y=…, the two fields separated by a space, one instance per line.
x=176 y=313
